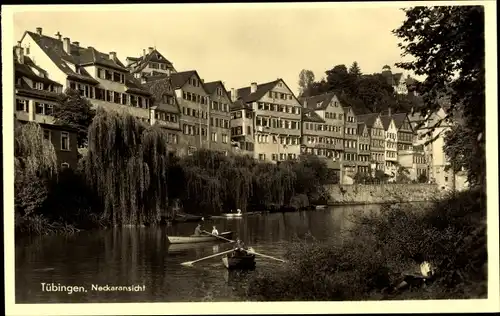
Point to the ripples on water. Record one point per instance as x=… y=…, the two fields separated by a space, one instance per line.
x=142 y=256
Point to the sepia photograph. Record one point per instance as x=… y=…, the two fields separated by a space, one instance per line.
x=320 y=153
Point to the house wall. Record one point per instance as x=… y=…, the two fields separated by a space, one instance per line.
x=42 y=60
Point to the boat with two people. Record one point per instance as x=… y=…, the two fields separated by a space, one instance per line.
x=201 y=236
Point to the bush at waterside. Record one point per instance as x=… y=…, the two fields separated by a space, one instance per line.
x=373 y=257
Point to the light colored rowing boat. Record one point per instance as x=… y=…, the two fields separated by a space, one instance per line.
x=196 y=239
x=232 y=215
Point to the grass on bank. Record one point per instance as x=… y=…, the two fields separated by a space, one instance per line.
x=374 y=255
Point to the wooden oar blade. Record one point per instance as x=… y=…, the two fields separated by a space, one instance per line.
x=187 y=264
x=190 y=263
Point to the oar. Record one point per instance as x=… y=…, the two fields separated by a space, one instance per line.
x=218 y=236
x=190 y=263
x=266 y=256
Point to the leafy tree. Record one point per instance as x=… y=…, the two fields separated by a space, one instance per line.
x=35 y=164
x=355 y=70
x=403 y=175
x=422 y=178
x=75 y=111
x=306 y=78
x=448 y=48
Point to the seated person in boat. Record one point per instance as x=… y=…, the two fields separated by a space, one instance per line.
x=197 y=230
x=239 y=249
x=238 y=211
x=215 y=231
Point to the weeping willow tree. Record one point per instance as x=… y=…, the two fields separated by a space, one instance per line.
x=127 y=165
x=35 y=164
x=273 y=184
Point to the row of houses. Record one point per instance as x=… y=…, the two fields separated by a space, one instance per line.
x=266 y=121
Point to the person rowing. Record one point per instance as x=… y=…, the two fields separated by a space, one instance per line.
x=238 y=211
x=215 y=231
x=197 y=230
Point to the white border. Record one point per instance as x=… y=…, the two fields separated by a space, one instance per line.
x=486 y=305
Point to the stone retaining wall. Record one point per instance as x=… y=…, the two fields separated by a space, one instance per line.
x=382 y=193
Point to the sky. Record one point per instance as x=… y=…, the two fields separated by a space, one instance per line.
x=235 y=44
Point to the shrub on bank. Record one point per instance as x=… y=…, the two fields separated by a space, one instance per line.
x=372 y=257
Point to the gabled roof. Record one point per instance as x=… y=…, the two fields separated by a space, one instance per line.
x=25 y=70
x=399 y=118
x=361 y=128
x=262 y=89
x=368 y=119
x=386 y=121
x=309 y=115
x=158 y=88
x=81 y=56
x=312 y=101
x=139 y=63
x=211 y=87
x=179 y=79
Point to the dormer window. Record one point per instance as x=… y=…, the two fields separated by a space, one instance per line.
x=39 y=86
x=318 y=104
x=219 y=91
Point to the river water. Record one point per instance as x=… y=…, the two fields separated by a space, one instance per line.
x=142 y=256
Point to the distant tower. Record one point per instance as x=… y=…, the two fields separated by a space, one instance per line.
x=386 y=68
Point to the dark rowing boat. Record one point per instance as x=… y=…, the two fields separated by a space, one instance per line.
x=239 y=260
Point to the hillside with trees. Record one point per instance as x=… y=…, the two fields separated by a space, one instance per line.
x=365 y=93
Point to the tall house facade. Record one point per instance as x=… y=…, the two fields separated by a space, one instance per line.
x=151 y=63
x=99 y=77
x=364 y=153
x=405 y=139
x=391 y=148
x=377 y=139
x=277 y=115
x=35 y=98
x=219 y=117
x=242 y=126
x=328 y=107
x=350 y=142
x=165 y=111
x=435 y=157
x=194 y=103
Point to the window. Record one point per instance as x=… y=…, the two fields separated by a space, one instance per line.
x=39 y=108
x=39 y=86
x=64 y=141
x=47 y=135
x=225 y=139
x=21 y=105
x=214 y=137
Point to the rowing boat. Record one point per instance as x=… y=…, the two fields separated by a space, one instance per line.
x=233 y=215
x=239 y=260
x=196 y=239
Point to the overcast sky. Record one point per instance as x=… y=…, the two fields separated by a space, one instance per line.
x=235 y=44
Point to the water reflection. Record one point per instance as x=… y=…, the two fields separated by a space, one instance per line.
x=143 y=256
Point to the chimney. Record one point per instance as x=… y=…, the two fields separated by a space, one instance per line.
x=150 y=49
x=253 y=87
x=67 y=45
x=77 y=44
x=58 y=35
x=20 y=53
x=39 y=30
x=112 y=55
x=233 y=95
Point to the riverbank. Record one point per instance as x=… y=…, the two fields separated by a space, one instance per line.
x=359 y=194
x=379 y=250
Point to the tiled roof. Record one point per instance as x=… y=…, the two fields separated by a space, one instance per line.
x=360 y=129
x=386 y=121
x=211 y=87
x=24 y=89
x=141 y=62
x=262 y=89
x=368 y=119
x=81 y=56
x=25 y=70
x=239 y=105
x=178 y=79
x=312 y=101
x=309 y=115
x=158 y=88
x=399 y=118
